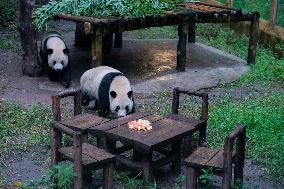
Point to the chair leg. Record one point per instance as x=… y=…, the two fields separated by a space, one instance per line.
x=238 y=170
x=227 y=179
x=176 y=163
x=108 y=176
x=191 y=178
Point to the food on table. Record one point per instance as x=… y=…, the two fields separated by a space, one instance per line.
x=140 y=125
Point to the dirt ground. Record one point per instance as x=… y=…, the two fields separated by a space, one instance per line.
x=143 y=61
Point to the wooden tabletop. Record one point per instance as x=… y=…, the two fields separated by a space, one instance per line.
x=164 y=130
x=83 y=121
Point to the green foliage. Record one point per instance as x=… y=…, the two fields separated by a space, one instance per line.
x=263 y=117
x=268 y=68
x=115 y=8
x=23 y=128
x=179 y=180
x=10 y=41
x=7 y=12
x=60 y=176
x=126 y=182
x=166 y=32
x=262 y=6
x=206 y=177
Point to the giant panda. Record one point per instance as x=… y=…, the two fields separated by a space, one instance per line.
x=110 y=89
x=55 y=57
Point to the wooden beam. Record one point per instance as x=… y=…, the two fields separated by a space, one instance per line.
x=97 y=42
x=182 y=45
x=253 y=39
x=274 y=7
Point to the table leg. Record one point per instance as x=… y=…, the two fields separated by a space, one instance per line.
x=191 y=31
x=136 y=155
x=110 y=146
x=147 y=167
x=176 y=150
x=182 y=43
x=118 y=40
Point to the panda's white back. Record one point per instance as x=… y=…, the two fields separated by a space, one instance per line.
x=91 y=79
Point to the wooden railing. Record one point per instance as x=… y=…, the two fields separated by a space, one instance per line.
x=274 y=10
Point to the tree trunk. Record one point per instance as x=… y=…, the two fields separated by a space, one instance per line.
x=31 y=65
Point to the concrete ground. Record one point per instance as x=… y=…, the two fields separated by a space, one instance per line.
x=149 y=64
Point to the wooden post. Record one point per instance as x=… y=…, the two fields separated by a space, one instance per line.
x=253 y=38
x=176 y=167
x=240 y=157
x=229 y=3
x=191 y=178
x=147 y=167
x=227 y=164
x=191 y=31
x=81 y=38
x=274 y=7
x=54 y=146
x=118 y=40
x=182 y=43
x=77 y=167
x=31 y=65
x=77 y=103
x=97 y=42
x=175 y=102
x=108 y=176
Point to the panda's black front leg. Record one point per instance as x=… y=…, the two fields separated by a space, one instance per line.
x=66 y=77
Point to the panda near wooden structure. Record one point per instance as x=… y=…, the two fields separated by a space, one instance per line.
x=55 y=58
x=110 y=89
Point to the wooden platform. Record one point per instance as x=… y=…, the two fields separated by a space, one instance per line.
x=185 y=16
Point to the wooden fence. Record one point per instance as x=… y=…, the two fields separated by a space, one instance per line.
x=274 y=15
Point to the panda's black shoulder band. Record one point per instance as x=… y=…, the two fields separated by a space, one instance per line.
x=104 y=91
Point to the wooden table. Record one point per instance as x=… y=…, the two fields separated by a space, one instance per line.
x=166 y=131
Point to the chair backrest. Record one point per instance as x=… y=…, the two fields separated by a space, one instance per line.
x=237 y=137
x=175 y=102
x=56 y=111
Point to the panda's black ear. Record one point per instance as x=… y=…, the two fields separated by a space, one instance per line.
x=65 y=51
x=113 y=94
x=129 y=94
x=49 y=51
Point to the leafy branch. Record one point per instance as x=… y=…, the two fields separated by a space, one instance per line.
x=117 y=8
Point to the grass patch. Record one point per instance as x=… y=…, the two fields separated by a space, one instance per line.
x=262 y=6
x=263 y=117
x=166 y=32
x=10 y=41
x=21 y=129
x=268 y=68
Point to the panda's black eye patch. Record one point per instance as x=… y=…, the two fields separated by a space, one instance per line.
x=127 y=108
x=117 y=108
x=129 y=94
x=113 y=94
x=65 y=51
x=54 y=62
x=62 y=62
x=49 y=51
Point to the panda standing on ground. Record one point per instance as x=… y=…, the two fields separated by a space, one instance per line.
x=55 y=57
x=110 y=89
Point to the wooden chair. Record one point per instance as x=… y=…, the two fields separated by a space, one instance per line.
x=85 y=156
x=201 y=128
x=220 y=161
